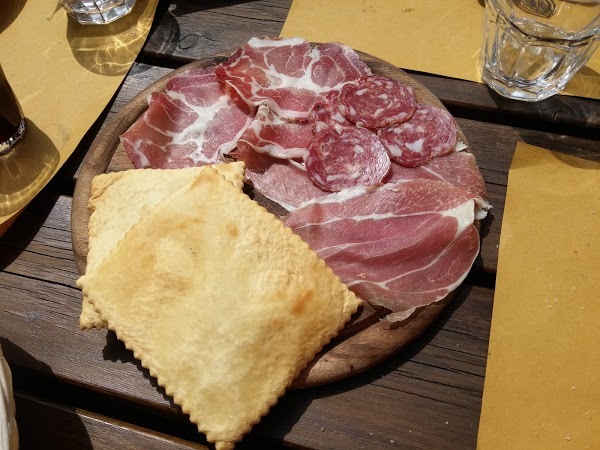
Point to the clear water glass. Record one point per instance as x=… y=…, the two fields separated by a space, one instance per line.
x=97 y=12
x=532 y=48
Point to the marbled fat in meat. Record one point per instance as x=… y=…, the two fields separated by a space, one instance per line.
x=338 y=161
x=430 y=132
x=280 y=138
x=457 y=168
x=400 y=246
x=377 y=101
x=288 y=75
x=194 y=122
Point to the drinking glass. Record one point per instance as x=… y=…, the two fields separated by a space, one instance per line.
x=97 y=12
x=532 y=48
x=12 y=122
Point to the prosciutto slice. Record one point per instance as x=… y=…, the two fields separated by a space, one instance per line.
x=457 y=168
x=194 y=122
x=288 y=75
x=284 y=182
x=400 y=246
x=268 y=133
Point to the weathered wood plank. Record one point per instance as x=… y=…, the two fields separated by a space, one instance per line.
x=438 y=378
x=44 y=424
x=193 y=30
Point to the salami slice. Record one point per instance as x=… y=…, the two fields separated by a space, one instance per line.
x=376 y=101
x=430 y=132
x=352 y=158
x=325 y=115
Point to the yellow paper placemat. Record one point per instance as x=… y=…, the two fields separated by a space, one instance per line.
x=542 y=385
x=435 y=36
x=64 y=75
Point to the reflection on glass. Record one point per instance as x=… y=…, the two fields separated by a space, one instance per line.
x=12 y=123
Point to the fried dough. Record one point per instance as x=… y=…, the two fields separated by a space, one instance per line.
x=118 y=200
x=221 y=302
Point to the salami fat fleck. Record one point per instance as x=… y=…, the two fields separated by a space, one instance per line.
x=352 y=158
x=376 y=101
x=430 y=132
x=325 y=115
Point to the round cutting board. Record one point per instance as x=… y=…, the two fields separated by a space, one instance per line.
x=366 y=340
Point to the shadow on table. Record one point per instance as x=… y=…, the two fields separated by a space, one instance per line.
x=9 y=10
x=42 y=423
x=274 y=426
x=115 y=351
x=26 y=169
x=395 y=362
x=175 y=40
x=25 y=228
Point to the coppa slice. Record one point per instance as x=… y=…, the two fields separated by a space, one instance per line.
x=400 y=246
x=352 y=158
x=224 y=308
x=194 y=122
x=288 y=75
x=430 y=132
x=270 y=134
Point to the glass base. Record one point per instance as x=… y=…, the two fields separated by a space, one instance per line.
x=98 y=16
x=8 y=145
x=516 y=92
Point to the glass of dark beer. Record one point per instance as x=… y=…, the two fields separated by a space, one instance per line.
x=12 y=122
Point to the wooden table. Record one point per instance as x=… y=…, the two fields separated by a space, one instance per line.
x=82 y=390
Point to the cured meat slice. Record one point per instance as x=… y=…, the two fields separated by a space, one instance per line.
x=281 y=181
x=457 y=168
x=288 y=75
x=326 y=115
x=194 y=122
x=400 y=246
x=376 y=101
x=430 y=132
x=352 y=158
x=336 y=64
x=268 y=133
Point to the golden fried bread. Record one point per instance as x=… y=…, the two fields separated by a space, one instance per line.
x=220 y=301
x=118 y=200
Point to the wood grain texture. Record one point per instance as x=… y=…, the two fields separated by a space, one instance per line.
x=367 y=345
x=44 y=424
x=428 y=395
x=407 y=398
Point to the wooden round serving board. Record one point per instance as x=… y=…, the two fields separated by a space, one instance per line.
x=366 y=340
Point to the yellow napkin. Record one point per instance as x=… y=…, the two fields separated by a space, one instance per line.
x=542 y=385
x=435 y=36
x=63 y=74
